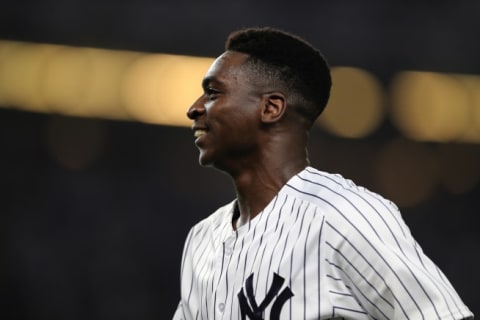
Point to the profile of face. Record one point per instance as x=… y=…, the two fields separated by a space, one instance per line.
x=226 y=117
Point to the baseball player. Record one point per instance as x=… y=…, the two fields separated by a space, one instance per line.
x=296 y=243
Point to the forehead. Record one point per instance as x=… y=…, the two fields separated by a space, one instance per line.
x=227 y=67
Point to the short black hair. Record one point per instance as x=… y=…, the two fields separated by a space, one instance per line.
x=279 y=55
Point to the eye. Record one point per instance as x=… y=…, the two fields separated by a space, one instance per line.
x=211 y=93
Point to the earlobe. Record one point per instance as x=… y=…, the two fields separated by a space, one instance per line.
x=275 y=104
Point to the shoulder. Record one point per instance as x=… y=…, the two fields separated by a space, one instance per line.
x=334 y=191
x=349 y=209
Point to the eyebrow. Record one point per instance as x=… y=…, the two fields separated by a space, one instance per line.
x=208 y=80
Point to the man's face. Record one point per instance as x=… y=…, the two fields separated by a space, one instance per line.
x=226 y=116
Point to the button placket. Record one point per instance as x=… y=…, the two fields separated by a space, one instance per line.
x=228 y=245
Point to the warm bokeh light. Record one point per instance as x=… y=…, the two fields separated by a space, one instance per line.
x=65 y=80
x=97 y=83
x=356 y=106
x=102 y=96
x=472 y=85
x=22 y=67
x=160 y=88
x=430 y=106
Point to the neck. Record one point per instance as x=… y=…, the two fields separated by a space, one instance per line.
x=260 y=183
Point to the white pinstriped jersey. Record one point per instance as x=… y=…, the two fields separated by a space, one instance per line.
x=323 y=248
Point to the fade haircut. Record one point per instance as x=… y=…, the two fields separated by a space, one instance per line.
x=287 y=60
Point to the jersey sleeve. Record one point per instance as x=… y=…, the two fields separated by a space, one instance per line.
x=379 y=262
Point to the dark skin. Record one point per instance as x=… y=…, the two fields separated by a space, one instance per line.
x=245 y=127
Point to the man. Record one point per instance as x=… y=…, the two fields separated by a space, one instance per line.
x=296 y=243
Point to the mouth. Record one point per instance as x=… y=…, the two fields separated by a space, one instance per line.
x=197 y=133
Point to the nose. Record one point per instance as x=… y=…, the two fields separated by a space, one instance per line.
x=196 y=110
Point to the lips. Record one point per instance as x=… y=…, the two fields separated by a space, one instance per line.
x=199 y=130
x=197 y=133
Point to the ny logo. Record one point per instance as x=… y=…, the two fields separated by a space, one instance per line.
x=254 y=311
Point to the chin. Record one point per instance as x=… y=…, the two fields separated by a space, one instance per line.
x=204 y=160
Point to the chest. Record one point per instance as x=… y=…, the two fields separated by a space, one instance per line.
x=266 y=273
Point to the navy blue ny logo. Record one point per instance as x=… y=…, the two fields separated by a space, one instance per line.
x=249 y=308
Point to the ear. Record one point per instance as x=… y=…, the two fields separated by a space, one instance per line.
x=274 y=107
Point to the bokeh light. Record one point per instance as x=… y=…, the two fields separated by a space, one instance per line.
x=428 y=106
x=159 y=88
x=65 y=80
x=472 y=85
x=22 y=68
x=356 y=106
x=103 y=95
x=89 y=82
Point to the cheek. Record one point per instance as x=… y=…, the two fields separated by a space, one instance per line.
x=234 y=116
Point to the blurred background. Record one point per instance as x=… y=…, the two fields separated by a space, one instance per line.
x=99 y=178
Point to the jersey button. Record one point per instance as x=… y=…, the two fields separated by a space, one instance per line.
x=228 y=251
x=221 y=306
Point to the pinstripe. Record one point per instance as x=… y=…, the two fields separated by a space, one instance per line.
x=366 y=261
x=261 y=241
x=449 y=289
x=396 y=241
x=369 y=243
x=202 y=255
x=290 y=284
x=284 y=249
x=258 y=276
x=305 y=275
x=188 y=242
x=286 y=238
x=302 y=226
x=276 y=242
x=427 y=274
x=346 y=199
x=334 y=278
x=360 y=195
x=205 y=299
x=362 y=276
x=361 y=292
x=292 y=256
x=219 y=279
x=228 y=264
x=423 y=288
x=341 y=293
x=256 y=252
x=291 y=265
x=347 y=309
x=246 y=253
x=236 y=268
x=381 y=218
x=182 y=272
x=319 y=231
